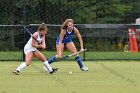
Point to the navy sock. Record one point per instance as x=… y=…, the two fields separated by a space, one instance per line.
x=79 y=61
x=51 y=60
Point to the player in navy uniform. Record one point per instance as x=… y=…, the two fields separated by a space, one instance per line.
x=65 y=38
x=30 y=50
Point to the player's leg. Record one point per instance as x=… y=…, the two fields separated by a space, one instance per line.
x=59 y=54
x=28 y=58
x=39 y=55
x=71 y=47
x=60 y=50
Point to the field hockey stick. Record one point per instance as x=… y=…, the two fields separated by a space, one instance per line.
x=25 y=29
x=65 y=57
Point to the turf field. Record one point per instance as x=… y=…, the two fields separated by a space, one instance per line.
x=102 y=77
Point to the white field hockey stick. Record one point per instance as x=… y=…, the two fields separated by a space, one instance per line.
x=65 y=57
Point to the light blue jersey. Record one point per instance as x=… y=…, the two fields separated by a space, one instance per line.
x=67 y=37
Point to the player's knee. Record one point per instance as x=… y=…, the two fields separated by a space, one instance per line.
x=58 y=56
x=28 y=63
x=43 y=59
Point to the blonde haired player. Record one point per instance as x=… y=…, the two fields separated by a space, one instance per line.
x=65 y=38
x=30 y=50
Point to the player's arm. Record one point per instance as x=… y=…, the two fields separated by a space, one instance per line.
x=62 y=35
x=60 y=40
x=35 y=35
x=76 y=31
x=43 y=42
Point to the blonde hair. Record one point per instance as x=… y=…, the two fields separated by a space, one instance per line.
x=64 y=26
x=42 y=26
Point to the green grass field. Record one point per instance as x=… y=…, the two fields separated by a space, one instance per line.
x=102 y=77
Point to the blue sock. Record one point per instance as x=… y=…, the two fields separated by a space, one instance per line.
x=51 y=60
x=79 y=61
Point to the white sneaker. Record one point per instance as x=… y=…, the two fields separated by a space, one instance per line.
x=54 y=70
x=84 y=68
x=16 y=72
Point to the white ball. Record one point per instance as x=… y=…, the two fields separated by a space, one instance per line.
x=70 y=72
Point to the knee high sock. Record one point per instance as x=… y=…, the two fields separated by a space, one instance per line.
x=21 y=66
x=47 y=65
x=51 y=60
x=79 y=61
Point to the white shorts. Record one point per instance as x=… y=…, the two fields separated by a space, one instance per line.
x=27 y=50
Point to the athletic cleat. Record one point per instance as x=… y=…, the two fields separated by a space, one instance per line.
x=16 y=72
x=54 y=70
x=84 y=68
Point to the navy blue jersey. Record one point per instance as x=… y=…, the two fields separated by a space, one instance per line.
x=67 y=37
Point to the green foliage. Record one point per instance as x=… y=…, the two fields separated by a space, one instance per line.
x=103 y=44
x=82 y=11
x=111 y=11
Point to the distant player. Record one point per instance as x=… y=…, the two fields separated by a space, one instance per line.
x=30 y=50
x=65 y=39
